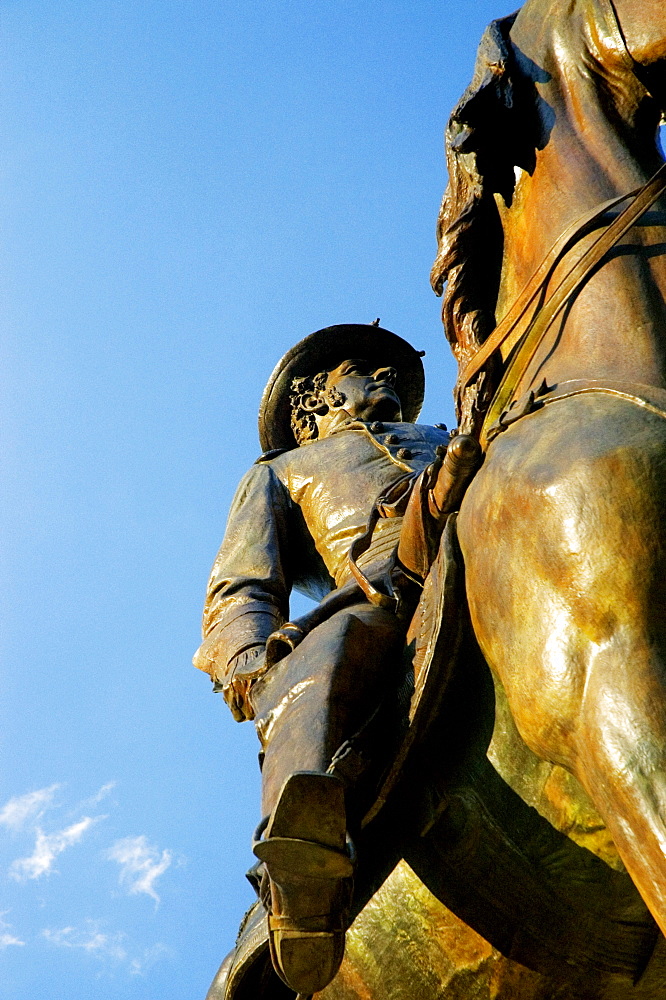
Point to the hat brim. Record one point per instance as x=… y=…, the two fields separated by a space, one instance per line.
x=324 y=350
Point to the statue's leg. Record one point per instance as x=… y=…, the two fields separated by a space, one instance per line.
x=564 y=538
x=306 y=706
x=313 y=700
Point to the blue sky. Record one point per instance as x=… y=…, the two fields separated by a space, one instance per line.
x=188 y=188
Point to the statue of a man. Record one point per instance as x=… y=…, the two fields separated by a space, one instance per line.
x=336 y=421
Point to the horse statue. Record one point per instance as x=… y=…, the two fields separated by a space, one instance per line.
x=563 y=530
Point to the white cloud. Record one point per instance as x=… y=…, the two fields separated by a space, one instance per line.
x=98 y=796
x=141 y=864
x=90 y=939
x=139 y=966
x=22 y=809
x=47 y=847
x=6 y=939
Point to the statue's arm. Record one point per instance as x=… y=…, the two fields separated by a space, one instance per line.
x=249 y=587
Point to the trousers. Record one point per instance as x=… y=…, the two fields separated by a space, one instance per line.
x=322 y=693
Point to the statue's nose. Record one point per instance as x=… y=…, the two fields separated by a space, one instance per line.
x=385 y=375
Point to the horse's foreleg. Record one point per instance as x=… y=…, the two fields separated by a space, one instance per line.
x=564 y=539
x=620 y=757
x=597 y=707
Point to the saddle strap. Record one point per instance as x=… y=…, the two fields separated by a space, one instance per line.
x=650 y=398
x=561 y=295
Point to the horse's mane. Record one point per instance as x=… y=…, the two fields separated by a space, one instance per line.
x=480 y=154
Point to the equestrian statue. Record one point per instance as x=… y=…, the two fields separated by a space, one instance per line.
x=505 y=826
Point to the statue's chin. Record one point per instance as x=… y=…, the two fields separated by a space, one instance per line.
x=384 y=406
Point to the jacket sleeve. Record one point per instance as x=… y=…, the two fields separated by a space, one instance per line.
x=249 y=586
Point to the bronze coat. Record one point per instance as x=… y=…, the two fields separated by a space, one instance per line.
x=292 y=522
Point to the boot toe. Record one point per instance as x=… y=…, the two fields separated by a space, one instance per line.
x=307 y=961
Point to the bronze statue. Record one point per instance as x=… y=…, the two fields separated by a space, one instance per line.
x=552 y=239
x=348 y=500
x=562 y=530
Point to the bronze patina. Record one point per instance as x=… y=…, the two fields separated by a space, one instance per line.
x=561 y=530
x=518 y=853
x=349 y=502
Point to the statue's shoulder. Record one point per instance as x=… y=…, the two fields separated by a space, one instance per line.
x=284 y=462
x=268 y=456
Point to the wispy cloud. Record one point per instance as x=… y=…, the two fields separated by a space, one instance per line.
x=139 y=966
x=24 y=809
x=47 y=848
x=98 y=796
x=141 y=864
x=6 y=939
x=89 y=938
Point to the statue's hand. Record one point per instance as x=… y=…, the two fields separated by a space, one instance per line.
x=242 y=672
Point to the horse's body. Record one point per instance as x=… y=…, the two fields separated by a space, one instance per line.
x=563 y=530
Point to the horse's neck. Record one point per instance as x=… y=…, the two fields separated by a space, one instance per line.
x=615 y=327
x=588 y=151
x=565 y=186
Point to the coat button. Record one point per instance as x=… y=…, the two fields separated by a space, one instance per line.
x=391 y=439
x=404 y=453
x=376 y=427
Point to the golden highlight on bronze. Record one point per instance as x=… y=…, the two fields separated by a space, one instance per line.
x=463 y=743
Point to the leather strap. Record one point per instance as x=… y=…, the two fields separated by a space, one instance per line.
x=650 y=398
x=561 y=295
x=536 y=285
x=391 y=504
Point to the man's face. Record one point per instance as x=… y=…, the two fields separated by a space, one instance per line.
x=369 y=392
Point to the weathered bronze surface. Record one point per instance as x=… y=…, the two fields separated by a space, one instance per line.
x=562 y=529
x=557 y=914
x=529 y=825
x=327 y=515
x=406 y=945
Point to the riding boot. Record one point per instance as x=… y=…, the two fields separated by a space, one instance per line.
x=308 y=859
x=306 y=706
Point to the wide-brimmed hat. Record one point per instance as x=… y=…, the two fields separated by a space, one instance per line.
x=323 y=351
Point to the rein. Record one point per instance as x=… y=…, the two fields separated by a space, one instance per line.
x=547 y=311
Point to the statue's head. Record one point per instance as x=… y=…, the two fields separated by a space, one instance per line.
x=355 y=388
x=352 y=370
